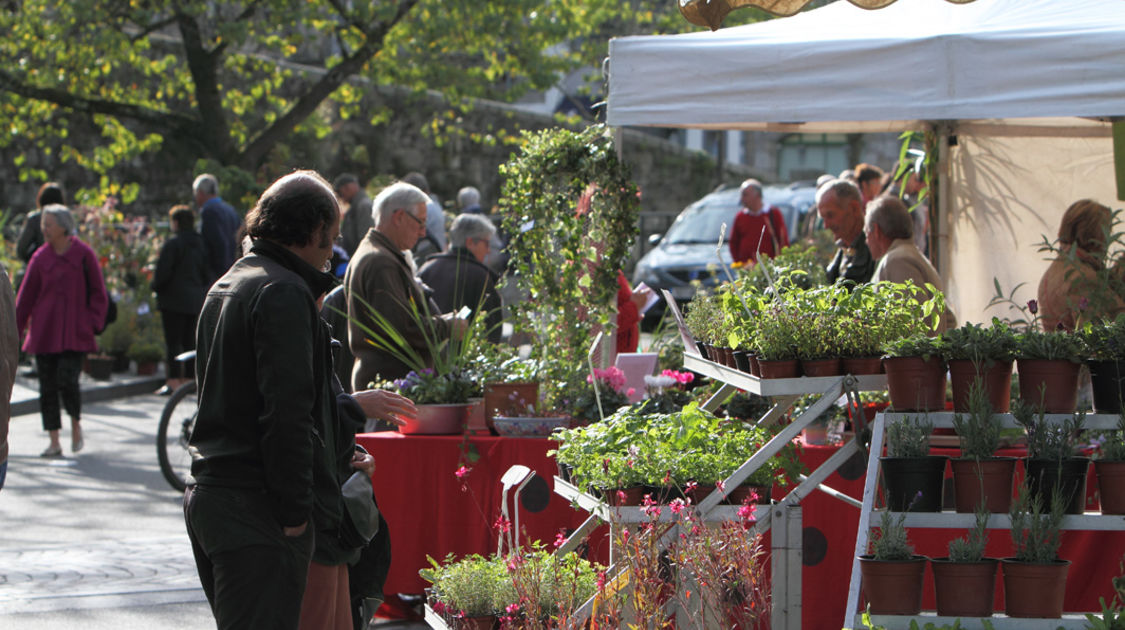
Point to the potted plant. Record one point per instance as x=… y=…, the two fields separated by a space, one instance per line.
x=442 y=400
x=1110 y=468
x=979 y=477
x=892 y=573
x=1106 y=343
x=147 y=355
x=972 y=352
x=965 y=581
x=115 y=340
x=595 y=401
x=1035 y=578
x=99 y=366
x=468 y=592
x=700 y=319
x=510 y=384
x=913 y=478
x=1052 y=459
x=1048 y=365
x=778 y=331
x=915 y=373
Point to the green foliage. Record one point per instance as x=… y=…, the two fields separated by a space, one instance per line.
x=971 y=547
x=909 y=437
x=429 y=387
x=474 y=586
x=890 y=542
x=1035 y=528
x=918 y=345
x=980 y=429
x=980 y=345
x=571 y=209
x=145 y=352
x=703 y=317
x=1045 y=439
x=118 y=336
x=1104 y=340
x=1056 y=344
x=1111 y=445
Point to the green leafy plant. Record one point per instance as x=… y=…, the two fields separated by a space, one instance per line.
x=909 y=438
x=1113 y=613
x=979 y=429
x=428 y=387
x=981 y=345
x=890 y=542
x=1105 y=341
x=118 y=336
x=1110 y=446
x=1055 y=344
x=145 y=352
x=1045 y=439
x=1035 y=528
x=917 y=345
x=471 y=587
x=971 y=547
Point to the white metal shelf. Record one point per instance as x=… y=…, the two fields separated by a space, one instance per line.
x=776 y=386
x=632 y=515
x=944 y=419
x=997 y=622
x=1089 y=521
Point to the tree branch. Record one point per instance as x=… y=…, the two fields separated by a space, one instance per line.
x=167 y=121
x=256 y=151
x=203 y=65
x=152 y=28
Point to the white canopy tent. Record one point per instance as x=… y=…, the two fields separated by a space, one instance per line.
x=1020 y=93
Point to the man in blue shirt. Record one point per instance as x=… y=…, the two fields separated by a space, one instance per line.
x=218 y=223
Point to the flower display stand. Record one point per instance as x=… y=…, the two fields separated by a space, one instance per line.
x=961 y=521
x=783 y=517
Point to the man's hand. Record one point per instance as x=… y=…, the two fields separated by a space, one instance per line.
x=384 y=405
x=364 y=461
x=293 y=532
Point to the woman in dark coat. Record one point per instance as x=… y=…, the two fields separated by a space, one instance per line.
x=181 y=283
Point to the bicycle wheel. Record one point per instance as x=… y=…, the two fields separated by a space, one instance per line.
x=172 y=434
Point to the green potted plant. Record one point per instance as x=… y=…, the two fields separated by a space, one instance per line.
x=470 y=592
x=115 y=341
x=1048 y=365
x=1035 y=577
x=700 y=318
x=778 y=332
x=442 y=400
x=510 y=383
x=1105 y=342
x=979 y=476
x=147 y=354
x=973 y=351
x=892 y=573
x=1109 y=464
x=1052 y=460
x=915 y=373
x=965 y=580
x=912 y=476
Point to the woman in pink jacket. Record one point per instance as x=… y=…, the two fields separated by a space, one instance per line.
x=61 y=302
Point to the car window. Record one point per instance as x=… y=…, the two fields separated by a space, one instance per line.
x=702 y=221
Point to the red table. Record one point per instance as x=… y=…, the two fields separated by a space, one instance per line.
x=829 y=541
x=430 y=511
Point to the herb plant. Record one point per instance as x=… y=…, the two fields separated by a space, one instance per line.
x=1035 y=528
x=971 y=547
x=980 y=429
x=1047 y=440
x=981 y=345
x=1056 y=344
x=1111 y=445
x=909 y=438
x=891 y=543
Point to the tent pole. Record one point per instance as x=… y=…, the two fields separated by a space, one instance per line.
x=943 y=129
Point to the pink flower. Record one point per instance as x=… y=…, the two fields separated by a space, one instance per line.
x=677 y=506
x=439 y=607
x=633 y=390
x=560 y=540
x=746 y=512
x=621 y=496
x=512 y=609
x=720 y=485
x=690 y=487
x=463 y=472
x=1033 y=306
x=502 y=524
x=600 y=584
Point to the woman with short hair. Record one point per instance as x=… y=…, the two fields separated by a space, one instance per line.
x=61 y=303
x=180 y=282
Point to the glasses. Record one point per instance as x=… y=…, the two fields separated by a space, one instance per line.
x=415 y=219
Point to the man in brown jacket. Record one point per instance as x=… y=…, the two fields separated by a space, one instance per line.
x=380 y=278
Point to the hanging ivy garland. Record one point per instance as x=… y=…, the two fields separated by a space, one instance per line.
x=570 y=210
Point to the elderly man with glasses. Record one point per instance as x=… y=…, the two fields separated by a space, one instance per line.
x=380 y=278
x=460 y=278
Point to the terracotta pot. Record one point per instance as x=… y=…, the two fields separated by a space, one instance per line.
x=915 y=384
x=742 y=361
x=863 y=365
x=1111 y=486
x=895 y=587
x=1050 y=382
x=700 y=492
x=997 y=380
x=964 y=589
x=821 y=367
x=1069 y=475
x=477 y=623
x=507 y=399
x=742 y=494
x=474 y=416
x=1107 y=379
x=146 y=368
x=785 y=368
x=908 y=477
x=710 y=352
x=988 y=478
x=728 y=358
x=755 y=366
x=625 y=496
x=1034 y=590
x=436 y=420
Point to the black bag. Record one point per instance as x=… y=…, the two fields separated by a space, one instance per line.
x=111 y=306
x=360 y=521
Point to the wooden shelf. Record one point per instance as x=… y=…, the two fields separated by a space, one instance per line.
x=777 y=386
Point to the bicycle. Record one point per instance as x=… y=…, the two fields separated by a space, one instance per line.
x=172 y=434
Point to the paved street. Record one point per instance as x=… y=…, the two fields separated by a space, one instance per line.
x=95 y=540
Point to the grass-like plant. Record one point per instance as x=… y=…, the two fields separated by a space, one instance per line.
x=909 y=437
x=1046 y=440
x=1035 y=527
x=971 y=547
x=979 y=429
x=890 y=543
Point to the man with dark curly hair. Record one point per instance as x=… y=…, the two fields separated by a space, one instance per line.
x=266 y=439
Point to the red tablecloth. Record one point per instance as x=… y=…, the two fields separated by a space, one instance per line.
x=428 y=512
x=829 y=541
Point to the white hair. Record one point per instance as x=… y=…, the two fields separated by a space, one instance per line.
x=397 y=196
x=61 y=214
x=206 y=184
x=467 y=226
x=467 y=196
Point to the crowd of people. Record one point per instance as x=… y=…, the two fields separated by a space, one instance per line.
x=280 y=308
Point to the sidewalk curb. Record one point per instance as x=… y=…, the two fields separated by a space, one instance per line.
x=101 y=391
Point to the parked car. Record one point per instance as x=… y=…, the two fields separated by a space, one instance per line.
x=690 y=249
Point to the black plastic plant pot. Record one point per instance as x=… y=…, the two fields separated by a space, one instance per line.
x=1043 y=475
x=1108 y=381
x=914 y=484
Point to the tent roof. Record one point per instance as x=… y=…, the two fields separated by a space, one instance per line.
x=843 y=68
